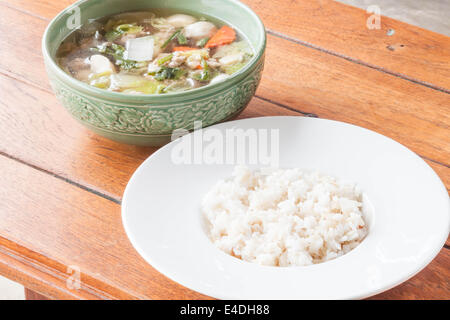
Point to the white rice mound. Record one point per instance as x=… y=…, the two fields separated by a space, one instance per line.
x=285 y=217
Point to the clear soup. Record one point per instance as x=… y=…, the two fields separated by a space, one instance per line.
x=149 y=52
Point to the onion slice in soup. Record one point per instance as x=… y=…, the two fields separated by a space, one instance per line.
x=140 y=49
x=101 y=64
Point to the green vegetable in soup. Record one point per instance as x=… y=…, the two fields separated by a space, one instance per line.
x=101 y=82
x=202 y=42
x=122 y=29
x=180 y=85
x=165 y=59
x=149 y=87
x=174 y=61
x=173 y=36
x=169 y=73
x=131 y=83
x=160 y=23
x=234 y=68
x=117 y=52
x=181 y=38
x=112 y=35
x=128 y=64
x=232 y=49
x=205 y=74
x=129 y=28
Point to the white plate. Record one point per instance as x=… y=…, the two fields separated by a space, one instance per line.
x=409 y=225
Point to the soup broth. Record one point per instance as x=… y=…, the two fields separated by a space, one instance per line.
x=150 y=52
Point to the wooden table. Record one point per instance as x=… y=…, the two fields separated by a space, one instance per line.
x=62 y=185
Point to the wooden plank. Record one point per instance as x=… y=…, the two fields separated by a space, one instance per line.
x=33 y=295
x=37 y=130
x=52 y=140
x=43 y=244
x=68 y=150
x=410 y=109
x=44 y=9
x=333 y=88
x=26 y=254
x=325 y=85
x=411 y=51
x=48 y=235
x=15 y=49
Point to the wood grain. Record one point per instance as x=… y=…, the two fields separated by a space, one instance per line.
x=377 y=101
x=314 y=82
x=33 y=295
x=41 y=237
x=39 y=226
x=411 y=52
x=63 y=147
x=47 y=137
x=75 y=219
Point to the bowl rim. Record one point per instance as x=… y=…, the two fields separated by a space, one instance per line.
x=151 y=98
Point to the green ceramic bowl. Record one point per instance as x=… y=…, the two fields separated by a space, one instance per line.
x=151 y=119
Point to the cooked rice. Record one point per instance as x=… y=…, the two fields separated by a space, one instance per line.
x=284 y=218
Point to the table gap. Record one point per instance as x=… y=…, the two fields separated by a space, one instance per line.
x=117 y=200
x=357 y=61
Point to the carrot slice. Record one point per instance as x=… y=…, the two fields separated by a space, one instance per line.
x=225 y=35
x=183 y=49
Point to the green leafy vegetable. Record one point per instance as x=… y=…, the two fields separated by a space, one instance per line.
x=149 y=87
x=165 y=59
x=234 y=68
x=173 y=36
x=117 y=51
x=169 y=73
x=202 y=42
x=129 y=28
x=122 y=29
x=181 y=38
x=205 y=74
x=102 y=82
x=127 y=64
x=238 y=47
x=112 y=35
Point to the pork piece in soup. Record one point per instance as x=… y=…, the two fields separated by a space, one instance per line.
x=145 y=53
